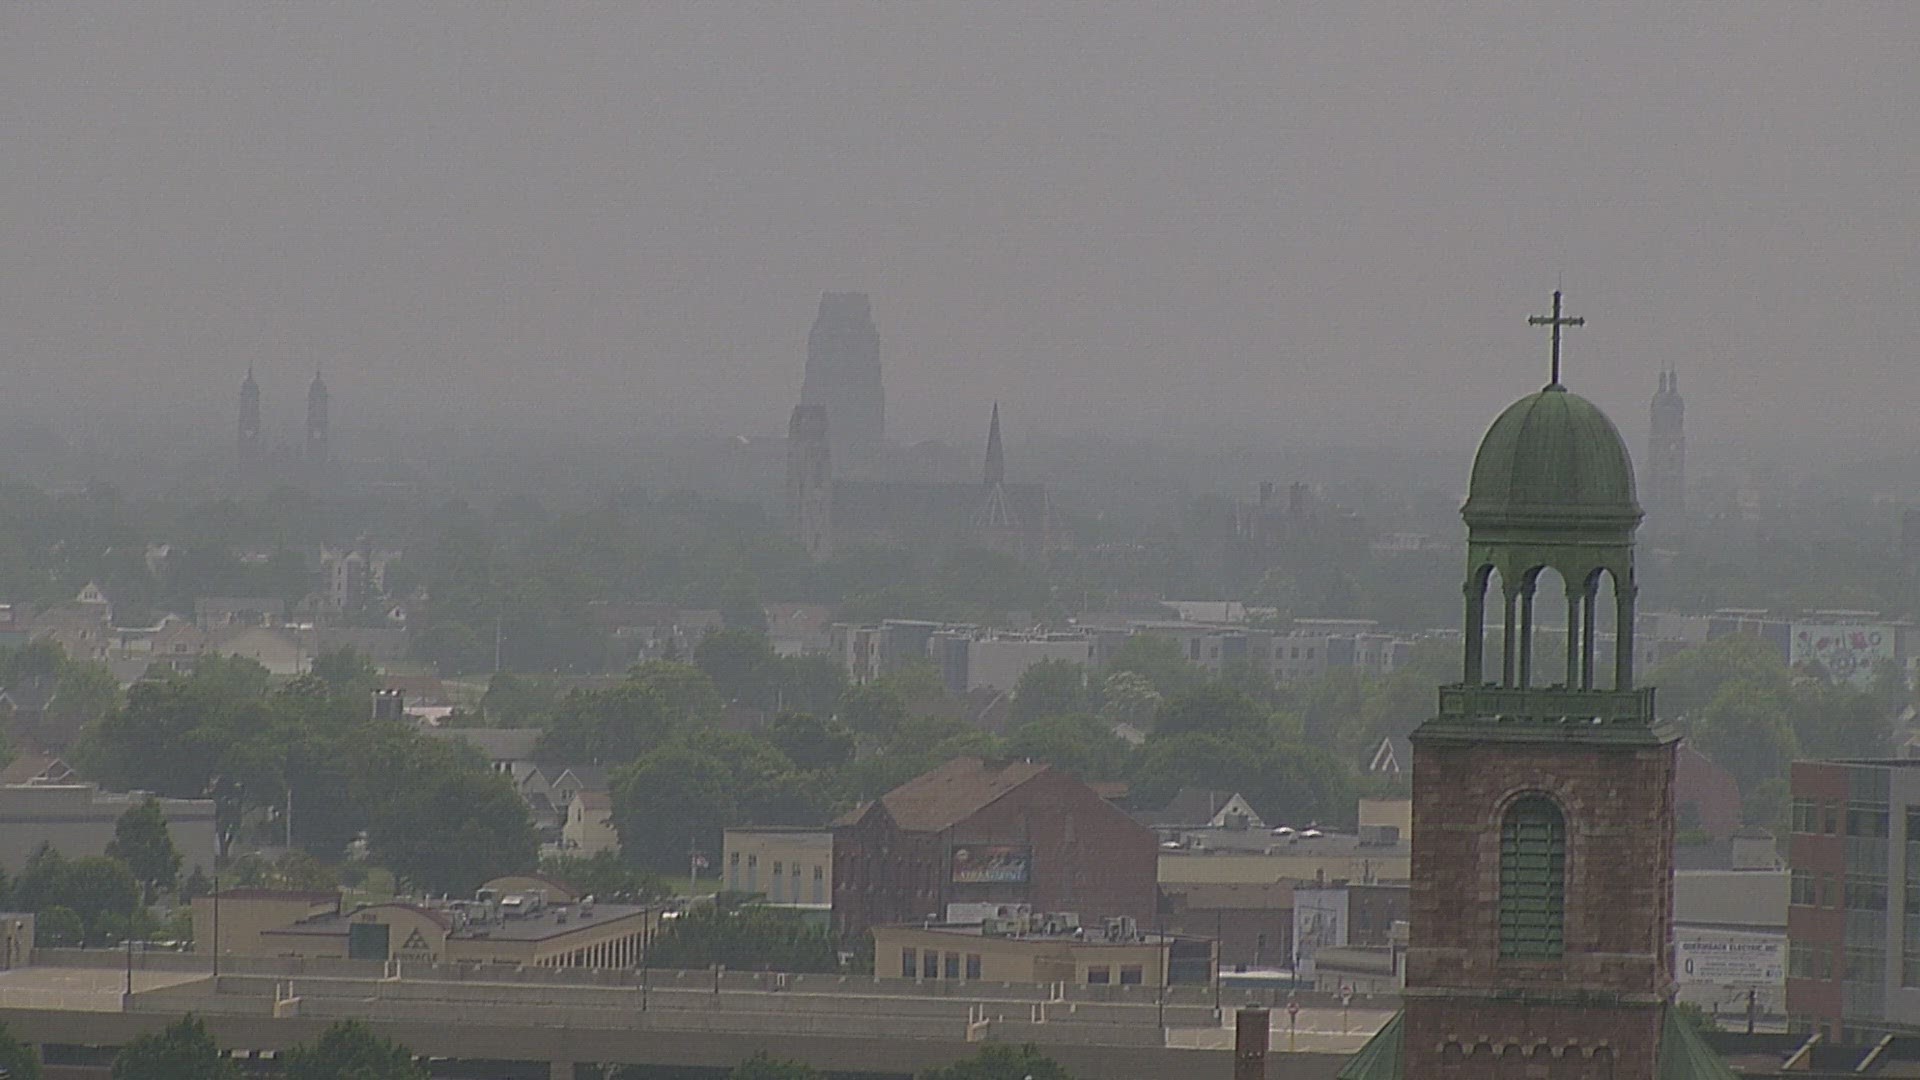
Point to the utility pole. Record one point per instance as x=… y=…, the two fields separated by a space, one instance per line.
x=216 y=929
x=289 y=817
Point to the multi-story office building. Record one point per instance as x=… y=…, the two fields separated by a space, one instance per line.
x=1853 y=918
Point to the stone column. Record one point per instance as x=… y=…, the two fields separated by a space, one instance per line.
x=1624 y=595
x=1509 y=634
x=1526 y=634
x=1574 y=597
x=1475 y=631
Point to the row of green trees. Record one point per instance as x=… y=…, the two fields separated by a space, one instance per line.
x=429 y=809
x=1151 y=717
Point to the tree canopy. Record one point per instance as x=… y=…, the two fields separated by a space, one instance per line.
x=350 y=1051
x=183 y=1050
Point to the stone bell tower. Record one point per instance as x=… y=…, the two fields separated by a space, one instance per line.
x=1543 y=812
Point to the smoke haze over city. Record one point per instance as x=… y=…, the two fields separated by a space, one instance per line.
x=1134 y=218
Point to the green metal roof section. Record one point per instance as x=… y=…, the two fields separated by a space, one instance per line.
x=1380 y=1058
x=1684 y=1055
x=1552 y=460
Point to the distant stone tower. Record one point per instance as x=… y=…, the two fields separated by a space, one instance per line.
x=250 y=442
x=1667 y=447
x=843 y=374
x=317 y=419
x=810 y=480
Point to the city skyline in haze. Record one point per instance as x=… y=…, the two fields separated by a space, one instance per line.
x=1148 y=217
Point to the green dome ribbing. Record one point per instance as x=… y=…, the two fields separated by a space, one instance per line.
x=1552 y=460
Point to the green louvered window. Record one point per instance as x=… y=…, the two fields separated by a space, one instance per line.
x=1533 y=879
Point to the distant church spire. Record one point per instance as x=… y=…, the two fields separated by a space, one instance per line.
x=1666 y=479
x=996 y=473
x=249 y=426
x=996 y=513
x=317 y=418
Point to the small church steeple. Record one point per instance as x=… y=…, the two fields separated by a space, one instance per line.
x=317 y=423
x=996 y=471
x=249 y=437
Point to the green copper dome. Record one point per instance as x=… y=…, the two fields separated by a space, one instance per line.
x=1552 y=460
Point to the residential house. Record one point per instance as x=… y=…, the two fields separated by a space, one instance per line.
x=589 y=826
x=212 y=613
x=1201 y=808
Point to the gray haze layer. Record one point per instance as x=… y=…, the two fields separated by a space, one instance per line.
x=1171 y=214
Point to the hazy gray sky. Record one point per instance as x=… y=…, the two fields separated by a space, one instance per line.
x=1186 y=211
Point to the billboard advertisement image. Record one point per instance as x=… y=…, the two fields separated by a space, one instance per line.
x=991 y=864
x=1847 y=652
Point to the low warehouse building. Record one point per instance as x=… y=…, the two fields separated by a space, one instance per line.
x=497 y=927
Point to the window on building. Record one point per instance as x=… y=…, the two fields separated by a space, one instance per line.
x=1823 y=961
x=1913 y=824
x=1866 y=892
x=1132 y=974
x=1867 y=819
x=1099 y=976
x=1910 y=969
x=1865 y=964
x=1829 y=891
x=1830 y=818
x=1806 y=815
x=1804 y=890
x=907 y=966
x=1800 y=962
x=952 y=968
x=1533 y=872
x=930 y=964
x=973 y=965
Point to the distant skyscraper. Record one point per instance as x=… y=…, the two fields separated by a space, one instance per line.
x=317 y=419
x=1667 y=447
x=843 y=374
x=810 y=480
x=249 y=435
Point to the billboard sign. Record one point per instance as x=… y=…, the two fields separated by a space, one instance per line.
x=1730 y=957
x=1847 y=652
x=991 y=864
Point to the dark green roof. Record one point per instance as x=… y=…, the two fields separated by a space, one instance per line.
x=1553 y=459
x=1379 y=1059
x=1683 y=1055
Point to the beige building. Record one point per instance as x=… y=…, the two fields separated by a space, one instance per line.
x=231 y=921
x=589 y=829
x=787 y=866
x=520 y=928
x=77 y=820
x=969 y=953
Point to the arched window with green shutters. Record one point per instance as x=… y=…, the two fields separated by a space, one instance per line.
x=1533 y=879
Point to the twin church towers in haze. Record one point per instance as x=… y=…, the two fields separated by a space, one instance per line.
x=252 y=440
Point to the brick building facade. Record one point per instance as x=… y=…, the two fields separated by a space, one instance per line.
x=980 y=832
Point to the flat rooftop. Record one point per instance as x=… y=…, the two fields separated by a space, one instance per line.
x=1087 y=935
x=547 y=923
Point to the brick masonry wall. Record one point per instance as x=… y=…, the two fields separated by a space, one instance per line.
x=1619 y=807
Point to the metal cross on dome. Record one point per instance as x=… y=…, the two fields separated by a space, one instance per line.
x=1556 y=320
